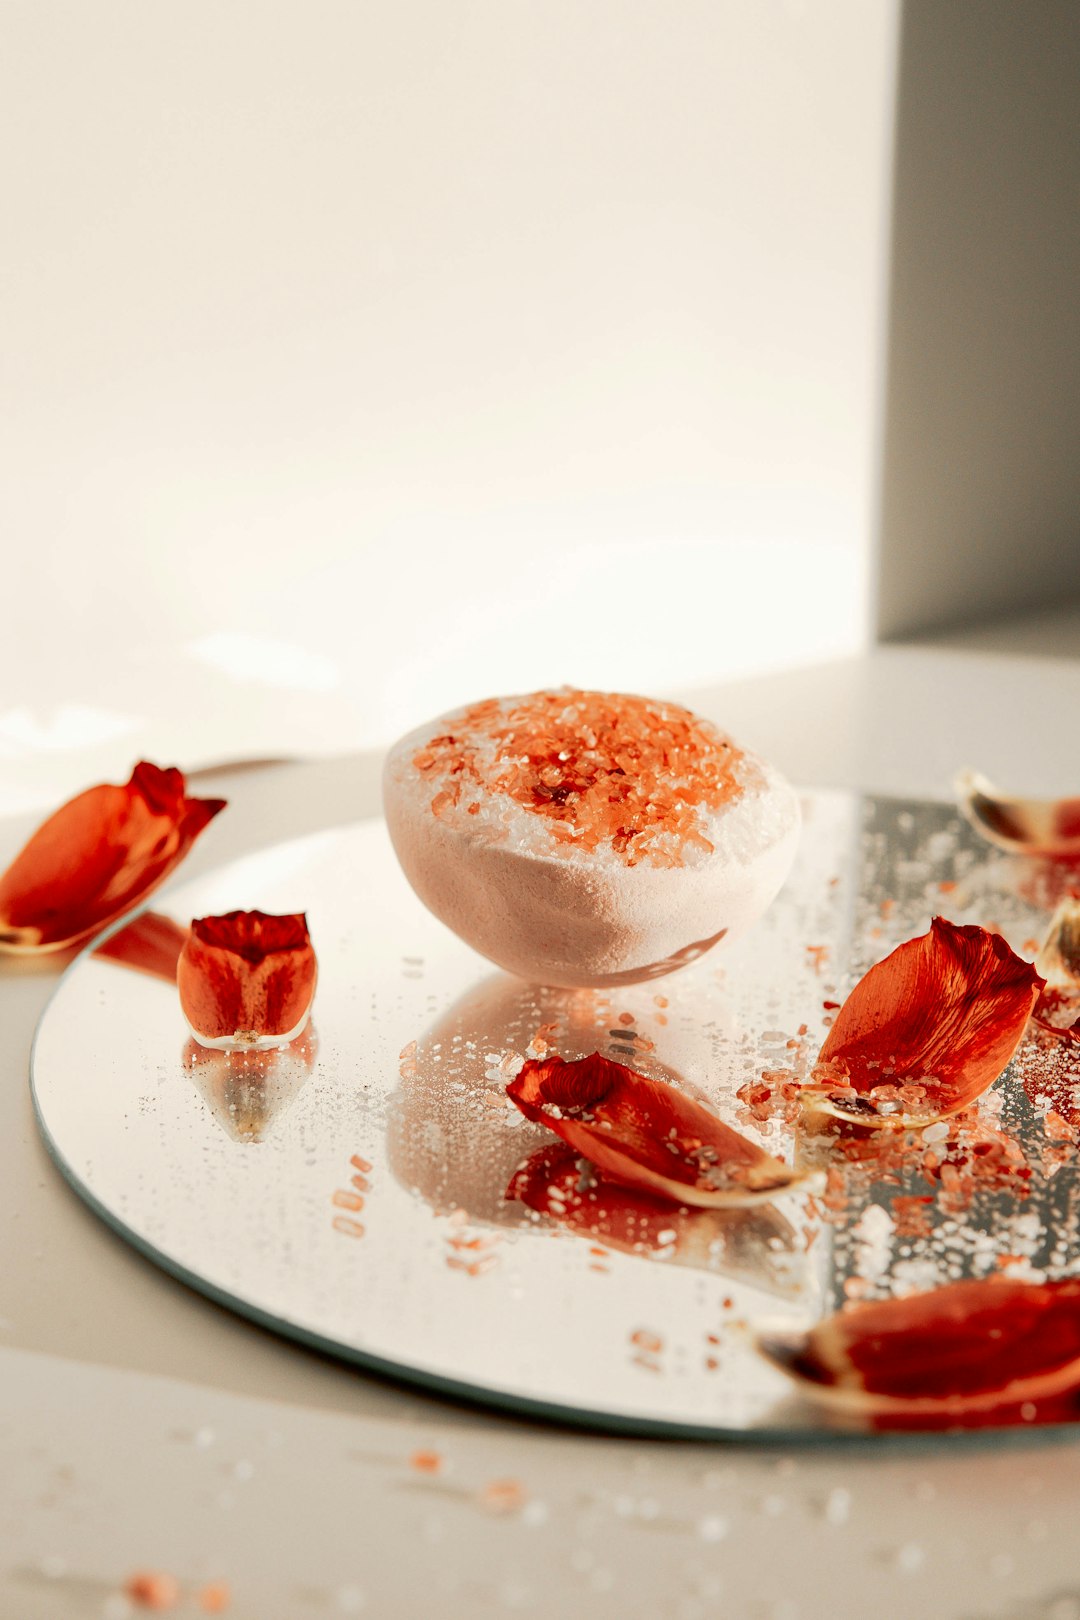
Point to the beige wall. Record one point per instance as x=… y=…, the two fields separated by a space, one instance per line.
x=449 y=343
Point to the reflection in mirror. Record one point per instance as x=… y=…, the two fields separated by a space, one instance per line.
x=456 y=1139
x=375 y=1218
x=151 y=943
x=756 y=1245
x=249 y=1091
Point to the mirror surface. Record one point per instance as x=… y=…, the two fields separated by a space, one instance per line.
x=350 y=1189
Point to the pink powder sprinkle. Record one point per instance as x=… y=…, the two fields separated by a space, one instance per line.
x=504 y=1496
x=215 y=1598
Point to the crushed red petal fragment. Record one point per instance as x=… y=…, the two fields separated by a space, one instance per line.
x=925 y=1031
x=247 y=977
x=599 y=767
x=980 y=1346
x=98 y=856
x=647 y=1135
x=1022 y=826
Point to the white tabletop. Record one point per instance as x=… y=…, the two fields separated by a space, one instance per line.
x=142 y=1427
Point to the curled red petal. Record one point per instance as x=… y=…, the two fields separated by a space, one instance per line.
x=1022 y=826
x=645 y=1134
x=246 y=977
x=97 y=857
x=969 y=1347
x=925 y=1031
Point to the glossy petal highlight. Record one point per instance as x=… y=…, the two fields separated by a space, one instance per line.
x=98 y=856
x=647 y=1135
x=1022 y=826
x=925 y=1031
x=968 y=1347
x=247 y=979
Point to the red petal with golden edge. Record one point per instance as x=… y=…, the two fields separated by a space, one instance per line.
x=969 y=1347
x=247 y=976
x=645 y=1134
x=150 y=944
x=1057 y=1011
x=97 y=857
x=926 y=1031
x=1022 y=826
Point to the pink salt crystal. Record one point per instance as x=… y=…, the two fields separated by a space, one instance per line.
x=504 y=1496
x=347 y=1200
x=601 y=767
x=215 y=1598
x=1057 y=1128
x=153 y=1589
x=645 y=1339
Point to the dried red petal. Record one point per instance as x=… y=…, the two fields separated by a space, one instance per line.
x=939 y=1019
x=150 y=943
x=247 y=978
x=645 y=1134
x=602 y=769
x=964 y=1348
x=1057 y=1011
x=97 y=857
x=1022 y=826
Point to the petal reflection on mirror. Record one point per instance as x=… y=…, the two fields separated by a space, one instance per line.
x=248 y=1092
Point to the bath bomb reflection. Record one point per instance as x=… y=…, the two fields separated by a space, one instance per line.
x=455 y=1140
x=587 y=839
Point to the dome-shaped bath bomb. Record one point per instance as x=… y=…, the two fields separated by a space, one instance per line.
x=588 y=838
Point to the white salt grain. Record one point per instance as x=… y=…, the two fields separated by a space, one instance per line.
x=837 y=1508
x=909 y=1558
x=713 y=1527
